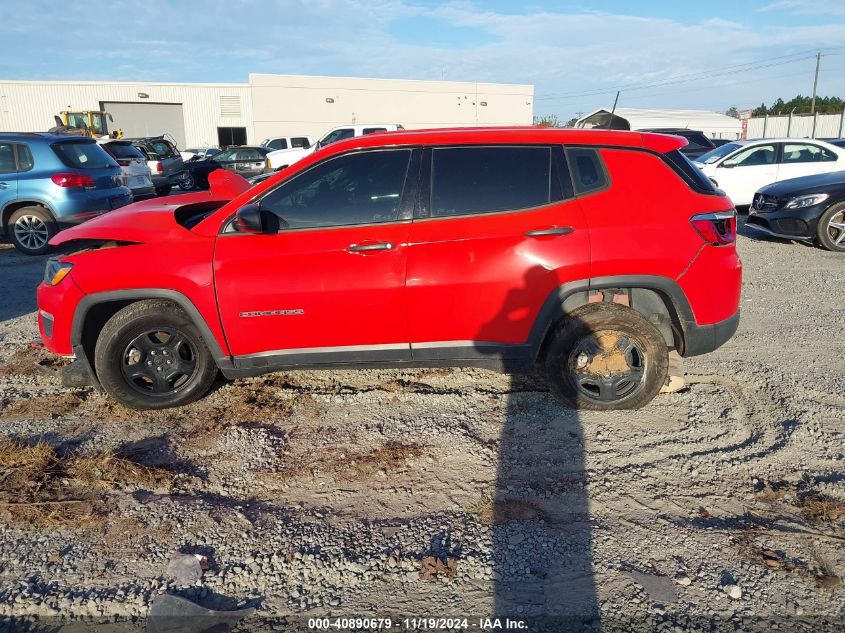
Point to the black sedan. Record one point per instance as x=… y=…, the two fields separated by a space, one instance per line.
x=810 y=208
x=245 y=160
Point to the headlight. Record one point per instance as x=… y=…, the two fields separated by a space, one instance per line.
x=801 y=202
x=55 y=271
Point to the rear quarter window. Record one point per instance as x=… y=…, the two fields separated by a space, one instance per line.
x=588 y=171
x=83 y=155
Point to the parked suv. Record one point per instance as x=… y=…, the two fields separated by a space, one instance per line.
x=49 y=182
x=591 y=252
x=135 y=173
x=163 y=159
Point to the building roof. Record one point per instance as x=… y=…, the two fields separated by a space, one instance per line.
x=641 y=118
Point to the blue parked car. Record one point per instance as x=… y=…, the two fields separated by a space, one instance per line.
x=49 y=182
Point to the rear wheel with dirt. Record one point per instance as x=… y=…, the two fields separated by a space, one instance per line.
x=150 y=355
x=30 y=229
x=831 y=228
x=606 y=356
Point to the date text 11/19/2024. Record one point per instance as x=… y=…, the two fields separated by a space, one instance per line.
x=416 y=624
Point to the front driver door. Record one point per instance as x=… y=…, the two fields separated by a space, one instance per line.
x=745 y=172
x=329 y=285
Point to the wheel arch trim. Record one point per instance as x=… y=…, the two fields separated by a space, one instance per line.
x=221 y=358
x=555 y=306
x=12 y=205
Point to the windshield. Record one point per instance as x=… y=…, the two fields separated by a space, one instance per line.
x=98 y=123
x=715 y=154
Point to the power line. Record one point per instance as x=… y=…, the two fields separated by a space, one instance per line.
x=755 y=65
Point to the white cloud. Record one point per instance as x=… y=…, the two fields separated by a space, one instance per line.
x=561 y=52
x=808 y=7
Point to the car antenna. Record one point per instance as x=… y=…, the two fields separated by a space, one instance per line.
x=610 y=123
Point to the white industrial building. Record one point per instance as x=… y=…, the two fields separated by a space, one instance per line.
x=268 y=105
x=713 y=124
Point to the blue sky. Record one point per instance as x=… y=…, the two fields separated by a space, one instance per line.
x=676 y=54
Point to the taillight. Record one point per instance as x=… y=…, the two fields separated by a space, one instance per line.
x=717 y=228
x=72 y=180
x=159 y=168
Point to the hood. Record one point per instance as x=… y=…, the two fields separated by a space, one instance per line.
x=156 y=218
x=817 y=183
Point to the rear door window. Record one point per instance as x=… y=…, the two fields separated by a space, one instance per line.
x=25 y=162
x=300 y=141
x=805 y=153
x=587 y=168
x=83 y=155
x=469 y=180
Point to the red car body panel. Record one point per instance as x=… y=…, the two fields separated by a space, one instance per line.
x=59 y=301
x=341 y=298
x=463 y=279
x=479 y=278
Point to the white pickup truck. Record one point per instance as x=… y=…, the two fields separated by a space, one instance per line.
x=290 y=149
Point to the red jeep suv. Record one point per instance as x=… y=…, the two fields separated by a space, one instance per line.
x=591 y=252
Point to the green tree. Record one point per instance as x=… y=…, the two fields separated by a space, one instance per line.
x=801 y=105
x=548 y=120
x=732 y=111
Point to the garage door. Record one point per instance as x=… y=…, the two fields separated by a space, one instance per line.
x=148 y=119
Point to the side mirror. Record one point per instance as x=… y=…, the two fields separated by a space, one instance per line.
x=250 y=219
x=731 y=162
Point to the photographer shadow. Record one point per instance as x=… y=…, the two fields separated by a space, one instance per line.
x=542 y=540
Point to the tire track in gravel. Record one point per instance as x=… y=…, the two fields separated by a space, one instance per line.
x=752 y=427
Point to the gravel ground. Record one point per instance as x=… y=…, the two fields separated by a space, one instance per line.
x=448 y=493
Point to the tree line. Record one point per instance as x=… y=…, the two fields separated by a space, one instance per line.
x=800 y=104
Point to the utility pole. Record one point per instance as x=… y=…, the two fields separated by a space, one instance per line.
x=815 y=83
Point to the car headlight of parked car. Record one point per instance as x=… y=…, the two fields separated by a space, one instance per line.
x=801 y=202
x=55 y=271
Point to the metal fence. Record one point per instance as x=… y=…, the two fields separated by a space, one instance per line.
x=797 y=126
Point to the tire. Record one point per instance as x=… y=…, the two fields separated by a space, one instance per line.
x=831 y=236
x=186 y=182
x=605 y=356
x=30 y=230
x=164 y=191
x=150 y=355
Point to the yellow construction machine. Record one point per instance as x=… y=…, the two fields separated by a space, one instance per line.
x=93 y=123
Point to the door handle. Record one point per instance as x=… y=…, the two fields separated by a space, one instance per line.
x=4 y=185
x=552 y=230
x=369 y=247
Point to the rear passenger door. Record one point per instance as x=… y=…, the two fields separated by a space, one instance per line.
x=804 y=159
x=496 y=231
